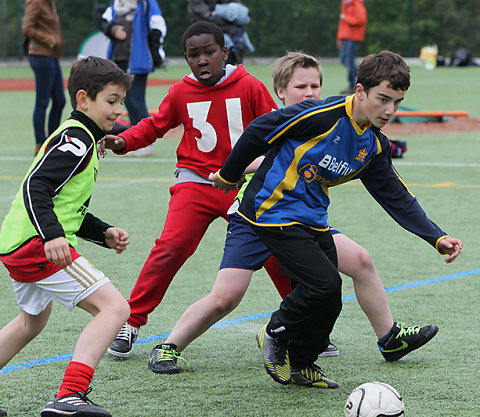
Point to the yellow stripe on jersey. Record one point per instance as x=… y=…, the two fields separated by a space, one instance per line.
x=438 y=241
x=313 y=113
x=318 y=229
x=291 y=175
x=379 y=145
x=349 y=110
x=400 y=178
x=393 y=168
x=224 y=180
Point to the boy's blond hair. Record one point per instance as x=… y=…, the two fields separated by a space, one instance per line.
x=284 y=67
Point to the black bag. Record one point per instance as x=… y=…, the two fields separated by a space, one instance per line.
x=461 y=58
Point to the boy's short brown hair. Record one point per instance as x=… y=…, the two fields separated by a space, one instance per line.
x=384 y=66
x=93 y=74
x=284 y=67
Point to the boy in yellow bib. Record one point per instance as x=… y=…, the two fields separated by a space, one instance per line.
x=39 y=235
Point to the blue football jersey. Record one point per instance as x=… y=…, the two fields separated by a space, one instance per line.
x=309 y=147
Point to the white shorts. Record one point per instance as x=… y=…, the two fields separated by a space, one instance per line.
x=68 y=286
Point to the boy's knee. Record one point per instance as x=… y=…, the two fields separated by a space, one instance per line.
x=34 y=324
x=123 y=310
x=225 y=303
x=116 y=306
x=364 y=260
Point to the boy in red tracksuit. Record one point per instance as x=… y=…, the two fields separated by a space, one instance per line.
x=214 y=103
x=351 y=32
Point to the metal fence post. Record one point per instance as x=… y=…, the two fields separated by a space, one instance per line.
x=410 y=29
x=20 y=9
x=3 y=23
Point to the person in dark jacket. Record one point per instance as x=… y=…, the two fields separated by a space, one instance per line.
x=44 y=44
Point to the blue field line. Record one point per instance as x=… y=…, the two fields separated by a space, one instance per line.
x=155 y=338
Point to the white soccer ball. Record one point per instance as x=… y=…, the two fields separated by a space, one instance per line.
x=374 y=399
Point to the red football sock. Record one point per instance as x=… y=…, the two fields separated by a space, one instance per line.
x=77 y=378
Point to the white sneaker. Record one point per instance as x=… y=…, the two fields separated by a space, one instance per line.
x=121 y=347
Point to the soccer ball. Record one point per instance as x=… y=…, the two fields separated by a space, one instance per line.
x=374 y=399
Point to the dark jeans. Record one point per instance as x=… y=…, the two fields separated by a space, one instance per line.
x=348 y=53
x=48 y=86
x=135 y=100
x=306 y=316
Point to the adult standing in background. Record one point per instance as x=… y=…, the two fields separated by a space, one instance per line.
x=137 y=30
x=231 y=16
x=44 y=44
x=351 y=32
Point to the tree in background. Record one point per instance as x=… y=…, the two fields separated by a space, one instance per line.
x=279 y=25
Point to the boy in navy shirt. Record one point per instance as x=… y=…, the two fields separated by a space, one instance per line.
x=310 y=147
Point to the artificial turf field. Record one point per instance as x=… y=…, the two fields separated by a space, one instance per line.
x=227 y=376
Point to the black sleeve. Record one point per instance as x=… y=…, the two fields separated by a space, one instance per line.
x=93 y=229
x=249 y=146
x=385 y=185
x=106 y=27
x=50 y=174
x=154 y=44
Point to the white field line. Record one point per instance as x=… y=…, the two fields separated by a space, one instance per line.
x=125 y=181
x=116 y=160
x=438 y=164
x=126 y=159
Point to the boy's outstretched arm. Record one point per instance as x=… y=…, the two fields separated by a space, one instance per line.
x=115 y=143
x=451 y=247
x=117 y=239
x=221 y=185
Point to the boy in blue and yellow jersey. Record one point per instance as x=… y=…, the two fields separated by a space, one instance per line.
x=39 y=235
x=310 y=147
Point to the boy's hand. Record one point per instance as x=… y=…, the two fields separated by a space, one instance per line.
x=119 y=32
x=450 y=246
x=115 y=143
x=58 y=251
x=117 y=239
x=241 y=182
x=221 y=185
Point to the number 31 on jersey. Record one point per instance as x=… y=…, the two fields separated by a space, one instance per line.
x=198 y=112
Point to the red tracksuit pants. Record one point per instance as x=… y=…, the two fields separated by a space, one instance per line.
x=192 y=208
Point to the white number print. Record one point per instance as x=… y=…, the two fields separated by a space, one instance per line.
x=234 y=116
x=198 y=112
x=74 y=145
